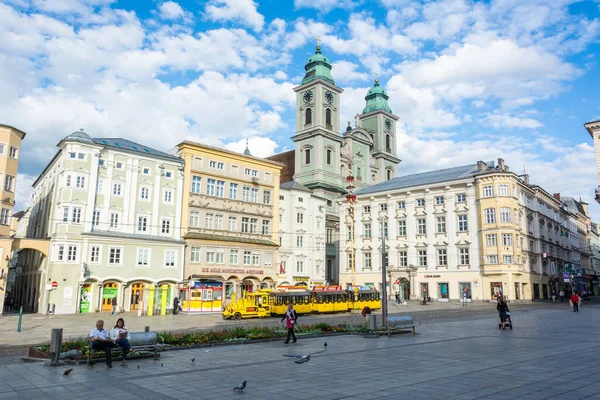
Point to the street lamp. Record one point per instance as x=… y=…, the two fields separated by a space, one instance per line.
x=384 y=312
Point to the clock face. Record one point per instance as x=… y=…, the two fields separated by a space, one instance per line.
x=329 y=97
x=308 y=96
x=388 y=124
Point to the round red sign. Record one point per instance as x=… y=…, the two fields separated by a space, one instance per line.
x=54 y=284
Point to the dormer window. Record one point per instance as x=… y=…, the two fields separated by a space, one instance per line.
x=308 y=117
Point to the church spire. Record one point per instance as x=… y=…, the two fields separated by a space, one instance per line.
x=377 y=98
x=318 y=66
x=247 y=151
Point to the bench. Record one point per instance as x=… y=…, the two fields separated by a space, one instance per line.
x=400 y=323
x=139 y=341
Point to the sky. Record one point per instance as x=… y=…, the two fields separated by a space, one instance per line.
x=469 y=80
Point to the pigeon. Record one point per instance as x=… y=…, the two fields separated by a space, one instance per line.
x=240 y=387
x=193 y=360
x=138 y=367
x=304 y=358
x=161 y=364
x=325 y=345
x=67 y=372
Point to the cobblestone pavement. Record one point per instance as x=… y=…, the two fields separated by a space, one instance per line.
x=552 y=353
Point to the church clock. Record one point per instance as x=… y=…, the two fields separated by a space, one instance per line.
x=307 y=96
x=388 y=125
x=329 y=97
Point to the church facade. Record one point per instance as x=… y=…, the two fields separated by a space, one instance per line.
x=326 y=154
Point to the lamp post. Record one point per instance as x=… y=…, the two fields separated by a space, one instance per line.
x=384 y=311
x=351 y=198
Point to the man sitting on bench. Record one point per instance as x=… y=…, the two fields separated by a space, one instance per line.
x=100 y=340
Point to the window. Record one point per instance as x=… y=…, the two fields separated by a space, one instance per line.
x=232 y=224
x=463 y=225
x=114 y=256
x=463 y=256
x=461 y=198
x=266 y=197
x=13 y=152
x=247 y=257
x=143 y=256
x=442 y=257
x=388 y=143
x=168 y=174
x=9 y=183
x=221 y=189
x=195 y=254
x=220 y=256
x=421 y=226
x=507 y=239
x=65 y=214
x=253 y=224
x=350 y=261
x=281 y=197
x=307 y=156
x=308 y=116
x=146 y=171
x=349 y=231
x=507 y=259
x=247 y=171
x=233 y=257
x=117 y=189
x=329 y=235
x=254 y=198
x=488 y=191
x=68 y=183
x=2 y=148
x=168 y=196
x=246 y=193
x=492 y=259
x=76 y=215
x=441 y=224
x=389 y=174
x=256 y=259
x=4 y=217
x=245 y=225
x=503 y=190
x=401 y=228
x=300 y=218
x=212 y=164
x=383 y=207
x=81 y=156
x=367 y=230
x=114 y=220
x=209 y=221
x=210 y=187
x=142 y=224
x=210 y=256
x=265 y=227
x=233 y=187
x=490 y=215
x=220 y=165
x=119 y=165
x=366 y=209
x=368 y=263
x=328 y=118
x=439 y=200
x=420 y=202
x=403 y=259
x=170 y=257
x=505 y=214
x=80 y=182
x=299 y=266
x=72 y=253
x=99 y=187
x=385 y=229
x=96 y=218
x=95 y=254
x=402 y=205
x=299 y=241
x=165 y=226
x=60 y=254
x=329 y=154
x=101 y=163
x=491 y=240
x=196 y=184
x=422 y=257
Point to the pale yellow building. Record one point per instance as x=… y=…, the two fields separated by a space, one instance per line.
x=230 y=224
x=10 y=147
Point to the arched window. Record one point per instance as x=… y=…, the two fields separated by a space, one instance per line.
x=308 y=117
x=328 y=118
x=307 y=156
x=329 y=156
x=388 y=143
x=389 y=174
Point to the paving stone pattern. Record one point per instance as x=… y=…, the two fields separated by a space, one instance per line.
x=552 y=353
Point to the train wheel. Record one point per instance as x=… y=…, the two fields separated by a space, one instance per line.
x=237 y=315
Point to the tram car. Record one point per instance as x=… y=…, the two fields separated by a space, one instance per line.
x=321 y=299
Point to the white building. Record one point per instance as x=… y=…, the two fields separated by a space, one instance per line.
x=111 y=210
x=301 y=236
x=430 y=224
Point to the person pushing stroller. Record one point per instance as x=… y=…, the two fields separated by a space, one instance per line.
x=504 y=313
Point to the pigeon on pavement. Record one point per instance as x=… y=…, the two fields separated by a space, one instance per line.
x=193 y=360
x=302 y=358
x=240 y=387
x=67 y=372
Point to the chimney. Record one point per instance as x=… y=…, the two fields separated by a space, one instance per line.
x=526 y=179
x=501 y=164
x=481 y=166
x=556 y=196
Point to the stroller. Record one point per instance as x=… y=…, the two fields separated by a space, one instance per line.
x=507 y=322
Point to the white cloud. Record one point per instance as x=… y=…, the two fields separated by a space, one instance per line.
x=258 y=146
x=325 y=5
x=345 y=71
x=242 y=11
x=170 y=10
x=508 y=121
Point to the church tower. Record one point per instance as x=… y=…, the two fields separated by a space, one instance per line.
x=317 y=138
x=377 y=119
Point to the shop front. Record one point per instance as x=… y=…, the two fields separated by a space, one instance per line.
x=202 y=296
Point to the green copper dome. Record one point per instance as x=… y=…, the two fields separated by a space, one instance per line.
x=377 y=99
x=318 y=67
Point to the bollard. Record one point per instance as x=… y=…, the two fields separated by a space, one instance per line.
x=20 y=319
x=147 y=329
x=56 y=345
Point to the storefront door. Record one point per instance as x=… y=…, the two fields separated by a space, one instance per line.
x=109 y=290
x=424 y=290
x=495 y=290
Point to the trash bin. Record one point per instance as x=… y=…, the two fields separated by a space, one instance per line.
x=371 y=321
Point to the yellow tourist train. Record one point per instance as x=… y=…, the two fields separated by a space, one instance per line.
x=321 y=299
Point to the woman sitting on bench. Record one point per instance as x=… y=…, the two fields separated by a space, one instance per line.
x=121 y=336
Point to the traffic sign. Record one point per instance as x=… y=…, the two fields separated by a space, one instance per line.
x=565 y=275
x=54 y=284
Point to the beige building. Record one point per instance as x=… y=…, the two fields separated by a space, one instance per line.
x=593 y=129
x=230 y=224
x=10 y=146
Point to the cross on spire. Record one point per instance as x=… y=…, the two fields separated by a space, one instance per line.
x=318 y=41
x=376 y=76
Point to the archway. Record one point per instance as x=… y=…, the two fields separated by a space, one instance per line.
x=137 y=295
x=26 y=279
x=109 y=291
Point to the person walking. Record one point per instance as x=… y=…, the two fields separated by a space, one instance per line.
x=291 y=319
x=553 y=296
x=120 y=336
x=562 y=295
x=114 y=305
x=502 y=308
x=175 y=305
x=575 y=300
x=397 y=299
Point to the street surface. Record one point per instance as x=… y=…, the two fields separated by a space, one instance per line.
x=552 y=353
